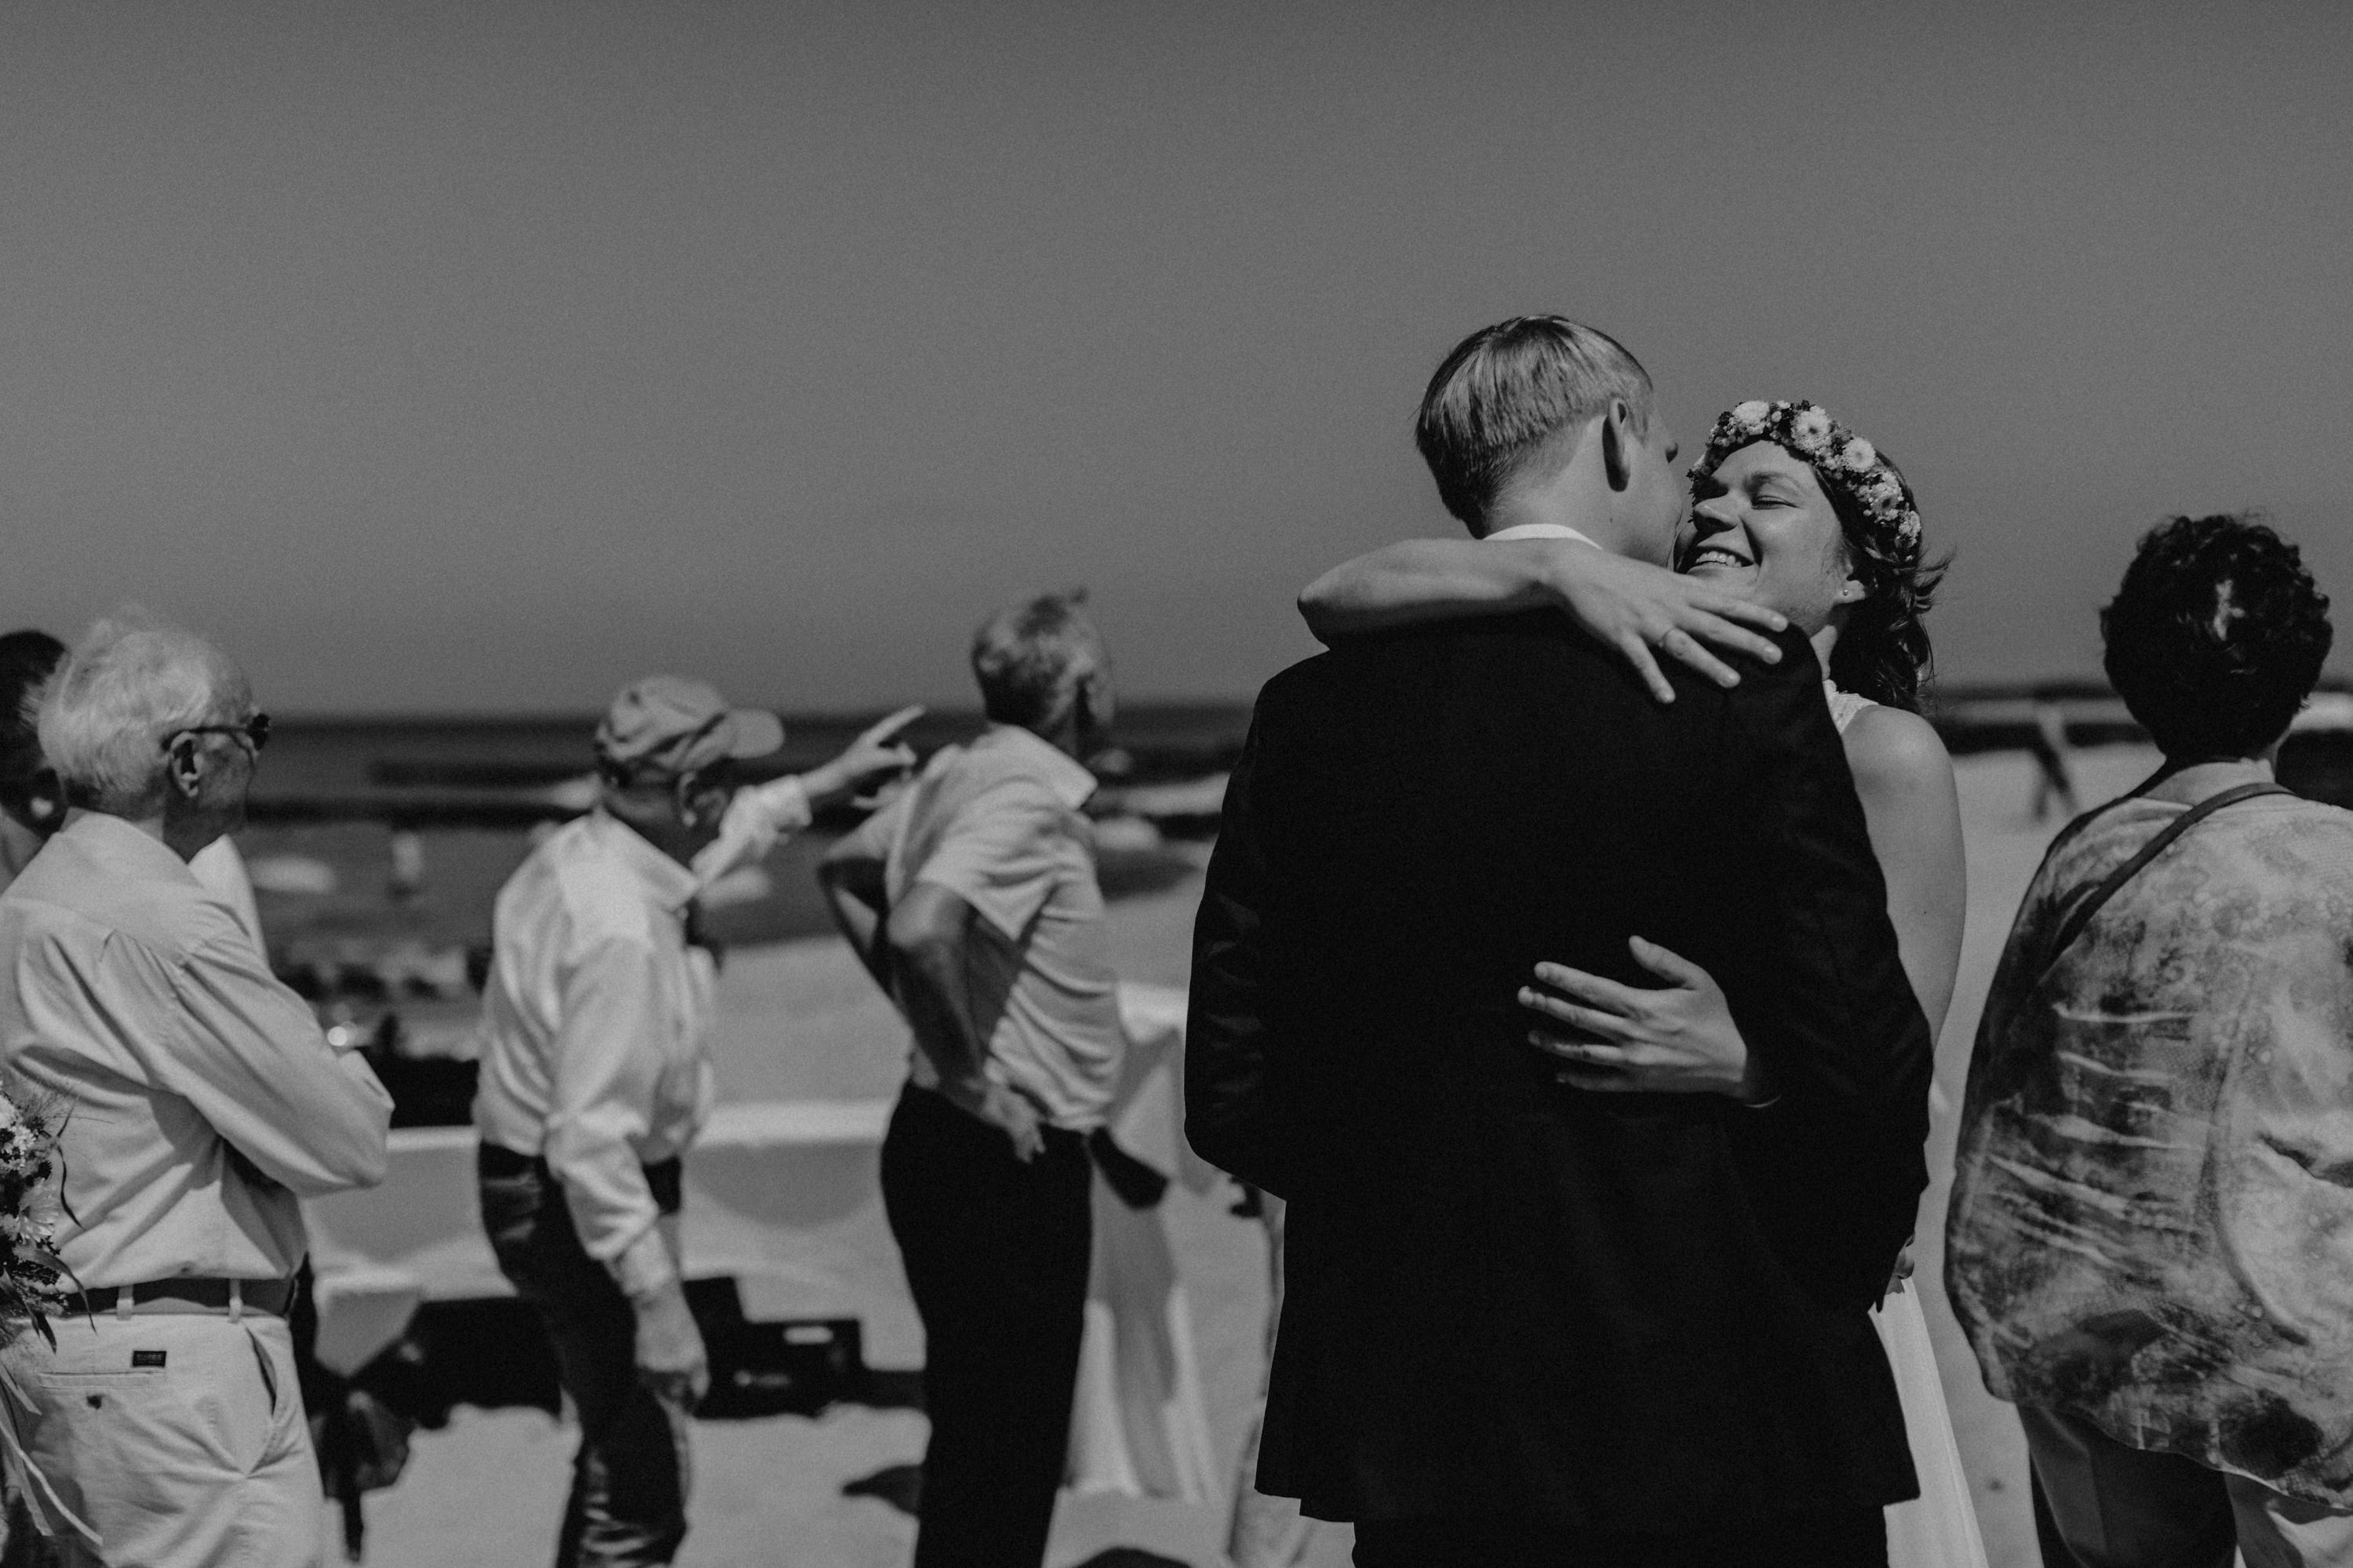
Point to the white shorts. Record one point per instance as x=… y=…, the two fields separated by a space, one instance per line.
x=179 y=1436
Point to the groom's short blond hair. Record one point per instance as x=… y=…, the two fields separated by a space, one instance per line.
x=1502 y=400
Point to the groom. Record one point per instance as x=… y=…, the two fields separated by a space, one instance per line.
x=1527 y=1322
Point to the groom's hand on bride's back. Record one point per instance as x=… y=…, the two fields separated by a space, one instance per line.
x=1679 y=1039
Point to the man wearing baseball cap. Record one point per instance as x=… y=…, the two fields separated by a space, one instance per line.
x=596 y=1078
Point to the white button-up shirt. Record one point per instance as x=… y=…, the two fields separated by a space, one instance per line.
x=595 y=1031
x=203 y=1097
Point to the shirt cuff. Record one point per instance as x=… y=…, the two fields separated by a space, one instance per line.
x=785 y=804
x=644 y=1265
x=756 y=818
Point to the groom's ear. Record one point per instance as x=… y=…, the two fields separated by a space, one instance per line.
x=1618 y=444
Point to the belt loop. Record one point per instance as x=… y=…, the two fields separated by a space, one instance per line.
x=237 y=1301
x=123 y=1302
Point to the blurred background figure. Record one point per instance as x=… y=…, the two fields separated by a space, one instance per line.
x=203 y=1103
x=973 y=899
x=32 y=806
x=596 y=1079
x=405 y=881
x=2054 y=785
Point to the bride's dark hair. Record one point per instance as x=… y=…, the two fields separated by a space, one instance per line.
x=1882 y=651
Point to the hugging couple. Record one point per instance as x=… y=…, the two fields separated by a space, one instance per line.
x=1581 y=1002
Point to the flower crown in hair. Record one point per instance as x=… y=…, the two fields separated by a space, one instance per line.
x=1838 y=455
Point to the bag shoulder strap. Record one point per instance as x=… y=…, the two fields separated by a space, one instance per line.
x=2089 y=905
x=2067 y=835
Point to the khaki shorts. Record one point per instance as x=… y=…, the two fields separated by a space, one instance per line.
x=179 y=1436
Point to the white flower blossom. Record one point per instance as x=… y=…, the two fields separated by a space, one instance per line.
x=1751 y=413
x=1859 y=456
x=1810 y=431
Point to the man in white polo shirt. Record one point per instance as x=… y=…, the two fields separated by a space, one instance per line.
x=972 y=899
x=596 y=1078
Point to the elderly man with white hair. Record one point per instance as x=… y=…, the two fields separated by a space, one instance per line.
x=204 y=1103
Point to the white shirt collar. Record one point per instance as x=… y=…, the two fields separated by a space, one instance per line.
x=668 y=883
x=124 y=849
x=1538 y=530
x=1062 y=772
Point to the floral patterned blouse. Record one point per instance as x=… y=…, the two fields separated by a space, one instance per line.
x=2152 y=1215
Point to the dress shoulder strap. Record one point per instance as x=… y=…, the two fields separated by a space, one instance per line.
x=1844 y=705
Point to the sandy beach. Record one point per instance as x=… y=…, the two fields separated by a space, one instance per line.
x=800 y=1020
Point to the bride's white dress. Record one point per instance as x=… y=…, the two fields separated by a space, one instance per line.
x=1938 y=1529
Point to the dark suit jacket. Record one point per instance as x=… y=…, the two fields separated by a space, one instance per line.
x=1504 y=1296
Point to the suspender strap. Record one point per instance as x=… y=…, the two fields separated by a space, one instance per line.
x=2089 y=905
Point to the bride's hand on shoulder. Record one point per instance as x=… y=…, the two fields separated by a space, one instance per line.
x=1679 y=1039
x=1643 y=610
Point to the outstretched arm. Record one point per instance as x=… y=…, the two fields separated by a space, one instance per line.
x=1630 y=606
x=761 y=816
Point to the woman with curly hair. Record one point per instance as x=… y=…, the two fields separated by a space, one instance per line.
x=2150 y=1243
x=1793 y=512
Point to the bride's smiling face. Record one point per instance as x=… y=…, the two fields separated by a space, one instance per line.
x=1761 y=527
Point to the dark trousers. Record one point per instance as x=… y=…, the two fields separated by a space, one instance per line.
x=996 y=1252
x=627 y=1506
x=1856 y=1538
x=2101 y=1504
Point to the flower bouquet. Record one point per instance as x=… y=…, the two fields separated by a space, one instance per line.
x=31 y=1199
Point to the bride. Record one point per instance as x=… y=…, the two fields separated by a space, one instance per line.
x=1795 y=514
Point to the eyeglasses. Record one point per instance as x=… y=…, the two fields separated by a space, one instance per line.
x=256 y=731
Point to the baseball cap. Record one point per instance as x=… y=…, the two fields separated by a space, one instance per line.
x=666 y=726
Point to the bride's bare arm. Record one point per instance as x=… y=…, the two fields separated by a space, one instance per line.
x=1628 y=605
x=1905 y=780
x=1676 y=1039
x=1417 y=580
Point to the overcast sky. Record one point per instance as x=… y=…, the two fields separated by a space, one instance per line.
x=478 y=357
